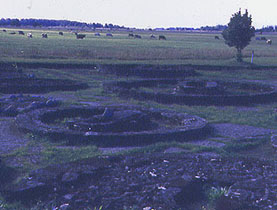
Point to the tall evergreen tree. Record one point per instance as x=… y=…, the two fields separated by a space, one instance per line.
x=239 y=32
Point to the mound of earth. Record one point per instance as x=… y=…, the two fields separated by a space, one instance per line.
x=158 y=181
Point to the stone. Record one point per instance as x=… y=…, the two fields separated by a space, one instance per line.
x=274 y=141
x=174 y=150
x=70 y=177
x=12 y=96
x=11 y=111
x=36 y=105
x=108 y=113
x=64 y=206
x=52 y=103
x=68 y=196
x=211 y=84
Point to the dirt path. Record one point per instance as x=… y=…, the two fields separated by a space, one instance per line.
x=10 y=138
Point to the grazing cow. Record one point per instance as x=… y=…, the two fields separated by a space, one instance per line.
x=21 y=33
x=97 y=34
x=162 y=37
x=29 y=35
x=131 y=35
x=109 y=34
x=61 y=33
x=263 y=38
x=137 y=36
x=13 y=33
x=80 y=36
x=216 y=37
x=152 y=36
x=269 y=41
x=44 y=35
x=4 y=30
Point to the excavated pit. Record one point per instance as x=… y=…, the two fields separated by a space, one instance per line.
x=195 y=92
x=112 y=126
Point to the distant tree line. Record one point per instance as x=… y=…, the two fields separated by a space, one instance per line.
x=213 y=28
x=268 y=29
x=53 y=23
x=67 y=23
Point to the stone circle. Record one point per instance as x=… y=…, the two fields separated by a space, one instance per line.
x=195 y=92
x=15 y=104
x=112 y=125
x=37 y=85
x=149 y=71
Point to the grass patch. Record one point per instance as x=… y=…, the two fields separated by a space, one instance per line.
x=179 y=48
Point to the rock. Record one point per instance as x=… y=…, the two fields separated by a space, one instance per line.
x=29 y=190
x=108 y=113
x=10 y=111
x=31 y=76
x=68 y=196
x=274 y=141
x=64 y=206
x=211 y=84
x=174 y=150
x=70 y=177
x=12 y=97
x=36 y=105
x=52 y=103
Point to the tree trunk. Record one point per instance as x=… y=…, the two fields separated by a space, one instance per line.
x=239 y=55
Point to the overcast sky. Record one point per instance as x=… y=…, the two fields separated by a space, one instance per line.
x=142 y=13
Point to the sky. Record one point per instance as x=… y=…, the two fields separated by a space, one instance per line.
x=143 y=13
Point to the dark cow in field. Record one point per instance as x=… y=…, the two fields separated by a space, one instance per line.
x=12 y=33
x=263 y=38
x=109 y=34
x=216 y=37
x=61 y=33
x=29 y=35
x=162 y=37
x=44 y=35
x=4 y=30
x=80 y=36
x=137 y=36
x=130 y=35
x=21 y=33
x=97 y=34
x=152 y=36
x=269 y=41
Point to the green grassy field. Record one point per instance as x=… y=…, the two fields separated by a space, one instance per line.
x=179 y=48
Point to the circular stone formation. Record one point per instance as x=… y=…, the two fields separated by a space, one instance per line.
x=15 y=104
x=195 y=92
x=112 y=126
x=30 y=84
x=149 y=71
